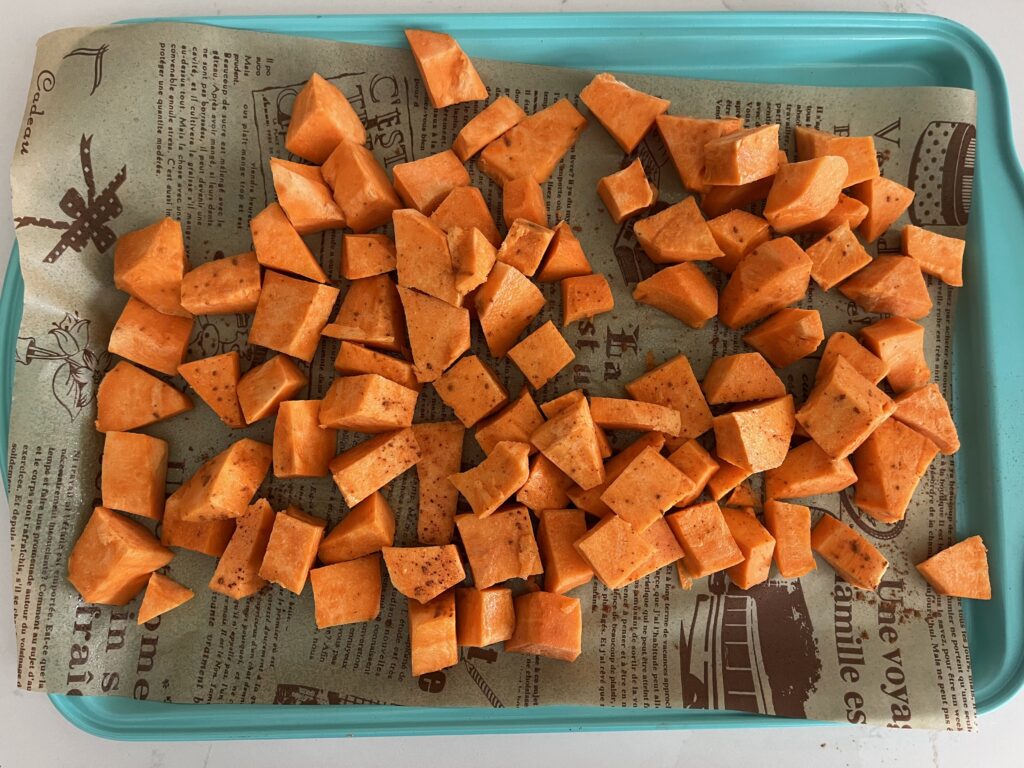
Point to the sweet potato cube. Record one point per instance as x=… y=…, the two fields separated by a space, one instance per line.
x=355 y=359
x=740 y=378
x=134 y=473
x=367 y=255
x=725 y=478
x=756 y=436
x=589 y=500
x=899 y=343
x=620 y=413
x=771 y=277
x=665 y=549
x=685 y=137
x=263 y=388
x=646 y=489
x=547 y=625
x=585 y=297
x=569 y=440
x=742 y=497
x=960 y=570
x=545 y=487
x=361 y=187
x=223 y=486
x=423 y=573
x=848 y=211
x=302 y=448
x=743 y=156
x=755 y=543
x=367 y=528
x=853 y=557
x=464 y=207
x=372 y=464
x=162 y=595
x=473 y=257
x=542 y=354
x=836 y=256
x=564 y=568
x=424 y=261
x=483 y=616
x=708 y=545
x=367 y=403
x=487 y=125
x=523 y=198
x=505 y=305
x=808 y=471
x=305 y=197
x=535 y=145
x=721 y=199
x=692 y=460
x=515 y=422
x=223 y=286
x=790 y=526
x=348 y=592
x=448 y=74
x=471 y=389
x=889 y=465
x=371 y=314
x=237 y=573
x=215 y=380
x=525 y=245
x=857 y=151
x=291 y=549
x=924 y=410
x=150 y=263
x=500 y=546
x=627 y=192
x=560 y=403
x=492 y=482
x=440 y=445
x=736 y=234
x=208 y=537
x=150 y=338
x=804 y=192
x=936 y=254
x=673 y=385
x=614 y=550
x=565 y=257
x=842 y=344
x=676 y=234
x=682 y=291
x=626 y=113
x=886 y=201
x=321 y=119
x=291 y=314
x=433 y=637
x=787 y=336
x=438 y=333
x=890 y=285
x=423 y=184
x=113 y=557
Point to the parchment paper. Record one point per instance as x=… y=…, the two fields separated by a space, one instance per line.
x=126 y=124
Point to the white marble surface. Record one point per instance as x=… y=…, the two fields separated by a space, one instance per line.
x=33 y=734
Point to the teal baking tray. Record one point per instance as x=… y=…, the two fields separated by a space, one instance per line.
x=840 y=49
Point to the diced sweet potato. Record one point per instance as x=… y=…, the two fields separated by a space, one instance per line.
x=505 y=305
x=524 y=246
x=371 y=314
x=215 y=380
x=423 y=184
x=626 y=113
x=150 y=338
x=291 y=314
x=494 y=480
x=545 y=487
x=836 y=257
x=676 y=234
x=150 y=263
x=263 y=388
x=755 y=543
x=367 y=403
x=162 y=595
x=473 y=257
x=743 y=497
x=569 y=440
x=853 y=557
x=515 y=422
x=787 y=336
x=627 y=192
x=741 y=378
x=646 y=489
x=433 y=637
x=790 y=525
x=523 y=198
x=891 y=285
x=960 y=570
x=589 y=500
x=355 y=359
x=465 y=208
x=560 y=403
x=721 y=198
x=361 y=187
x=889 y=465
x=208 y=537
x=665 y=549
x=321 y=119
x=743 y=156
x=424 y=261
x=685 y=137
x=133 y=474
x=448 y=74
x=857 y=151
x=899 y=343
x=697 y=464
x=614 y=550
x=423 y=573
x=808 y=471
x=937 y=255
x=483 y=616
x=366 y=256
x=372 y=464
x=804 y=192
x=565 y=257
x=547 y=625
x=113 y=558
x=487 y=125
x=542 y=354
x=223 y=486
x=471 y=389
x=564 y=568
x=842 y=344
x=223 y=286
x=682 y=291
x=673 y=385
x=438 y=333
x=535 y=145
x=886 y=201
x=620 y=413
x=440 y=445
x=237 y=573
x=346 y=593
x=736 y=234
x=726 y=477
x=302 y=448
x=585 y=297
x=367 y=528
x=849 y=211
x=924 y=410
x=500 y=546
x=707 y=543
x=305 y=198
x=771 y=277
x=756 y=436
x=291 y=549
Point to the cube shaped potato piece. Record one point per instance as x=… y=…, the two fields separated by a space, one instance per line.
x=737 y=233
x=836 y=256
x=223 y=286
x=743 y=497
x=569 y=440
x=471 y=389
x=433 y=637
x=208 y=537
x=355 y=359
x=685 y=137
x=677 y=234
x=361 y=186
x=726 y=478
x=960 y=570
x=665 y=549
x=560 y=403
x=848 y=211
x=853 y=557
x=842 y=344
x=150 y=338
x=564 y=567
x=134 y=473
x=486 y=126
x=673 y=385
x=150 y=263
x=627 y=192
x=448 y=74
x=473 y=257
x=626 y=113
x=291 y=314
x=804 y=192
x=490 y=483
x=547 y=625
x=646 y=489
x=938 y=255
x=545 y=486
x=523 y=198
x=614 y=549
x=367 y=255
x=505 y=305
x=682 y=291
x=305 y=197
x=162 y=595
x=438 y=333
x=790 y=526
x=542 y=354
x=279 y=246
x=238 y=571
x=787 y=336
x=720 y=199
x=367 y=528
x=215 y=379
x=742 y=156
x=483 y=616
x=535 y=145
x=424 y=183
x=808 y=471
x=262 y=389
x=740 y=378
x=899 y=343
x=924 y=410
x=889 y=466
x=858 y=151
x=708 y=544
x=465 y=208
x=500 y=546
x=756 y=436
x=291 y=550
x=771 y=277
x=224 y=485
x=692 y=460
x=424 y=261
x=371 y=314
x=423 y=573
x=348 y=592
x=585 y=297
x=524 y=246
x=620 y=413
x=756 y=545
x=440 y=445
x=886 y=201
x=565 y=257
x=302 y=448
x=590 y=500
x=516 y=422
x=321 y=119
x=891 y=285
x=372 y=464
x=113 y=558
x=367 y=403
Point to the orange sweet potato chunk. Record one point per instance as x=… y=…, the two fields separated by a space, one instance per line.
x=433 y=638
x=208 y=537
x=960 y=570
x=673 y=385
x=505 y=305
x=804 y=192
x=440 y=445
x=223 y=286
x=740 y=378
x=564 y=568
x=367 y=403
x=890 y=285
x=836 y=257
x=924 y=410
x=291 y=549
x=321 y=119
x=889 y=465
x=899 y=343
x=465 y=208
x=682 y=291
x=150 y=264
x=614 y=550
x=237 y=573
x=626 y=113
x=523 y=198
x=707 y=543
x=438 y=333
x=448 y=74
x=697 y=464
x=937 y=255
x=223 y=486
x=848 y=211
x=721 y=199
x=742 y=156
x=842 y=344
x=853 y=557
x=565 y=257
x=423 y=573
x=771 y=277
x=685 y=137
x=150 y=338
x=423 y=258
x=372 y=464
x=808 y=471
x=515 y=422
x=585 y=297
x=361 y=187
x=665 y=549
x=620 y=413
x=366 y=256
x=886 y=201
x=743 y=497
x=367 y=528
x=305 y=197
x=589 y=500
x=348 y=592
x=524 y=246
x=542 y=354
x=263 y=388
x=471 y=389
x=302 y=448
x=737 y=233
x=291 y=314
x=500 y=546
x=162 y=595
x=755 y=543
x=134 y=473
x=535 y=145
x=790 y=526
x=494 y=480
x=473 y=257
x=646 y=489
x=354 y=359
x=627 y=192
x=487 y=125
x=483 y=616
x=858 y=152
x=547 y=625
x=726 y=477
x=215 y=380
x=545 y=487
x=423 y=184
x=787 y=336
x=569 y=439
x=756 y=436
x=676 y=234
x=371 y=314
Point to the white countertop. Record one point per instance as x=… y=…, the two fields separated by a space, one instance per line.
x=35 y=735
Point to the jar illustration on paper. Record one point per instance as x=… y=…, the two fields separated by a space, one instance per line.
x=942 y=174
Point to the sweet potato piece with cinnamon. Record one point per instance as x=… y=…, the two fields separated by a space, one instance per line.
x=960 y=570
x=547 y=625
x=673 y=385
x=614 y=550
x=524 y=246
x=889 y=465
x=804 y=192
x=737 y=233
x=515 y=422
x=700 y=466
x=755 y=543
x=545 y=487
x=585 y=297
x=569 y=440
x=134 y=473
x=500 y=546
x=505 y=305
x=263 y=388
x=367 y=255
x=371 y=314
x=438 y=333
x=676 y=234
x=589 y=500
x=305 y=197
x=565 y=257
x=743 y=156
x=237 y=572
x=787 y=336
x=423 y=259
x=162 y=595
x=355 y=359
x=626 y=113
x=707 y=543
x=150 y=338
x=842 y=344
x=560 y=403
x=483 y=616
x=291 y=315
x=494 y=480
x=423 y=184
x=756 y=436
x=473 y=257
x=665 y=549
x=523 y=198
x=853 y=557
x=215 y=380
x=223 y=486
x=367 y=528
x=725 y=478
x=433 y=638
x=361 y=187
x=471 y=389
x=223 y=286
x=542 y=354
x=346 y=593
x=771 y=277
x=740 y=378
x=564 y=567
x=836 y=257
x=685 y=137
x=423 y=573
x=627 y=192
x=372 y=464
x=302 y=448
x=620 y=413
x=465 y=208
x=899 y=343
x=646 y=489
x=937 y=254
x=720 y=198
x=448 y=74
x=890 y=285
x=208 y=537
x=808 y=471
x=321 y=119
x=857 y=151
x=535 y=145
x=440 y=446
x=925 y=410
x=150 y=264
x=849 y=211
x=367 y=403
x=886 y=201
x=744 y=498
x=790 y=526
x=682 y=291
x=487 y=125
